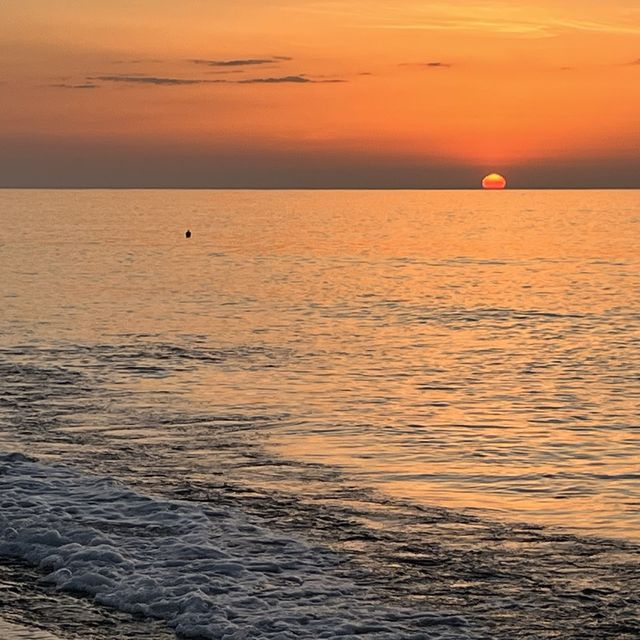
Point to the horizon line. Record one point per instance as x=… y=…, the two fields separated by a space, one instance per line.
x=303 y=188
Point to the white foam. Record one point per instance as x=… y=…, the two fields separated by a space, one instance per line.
x=208 y=572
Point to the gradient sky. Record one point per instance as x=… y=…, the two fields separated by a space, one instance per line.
x=319 y=93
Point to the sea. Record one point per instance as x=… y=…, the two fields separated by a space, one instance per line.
x=326 y=414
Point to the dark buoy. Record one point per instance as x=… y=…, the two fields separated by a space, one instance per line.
x=188 y=233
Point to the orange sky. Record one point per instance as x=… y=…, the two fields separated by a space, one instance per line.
x=319 y=92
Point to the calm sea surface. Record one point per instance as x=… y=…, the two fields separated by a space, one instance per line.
x=470 y=350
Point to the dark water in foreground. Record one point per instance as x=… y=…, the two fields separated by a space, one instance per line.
x=440 y=388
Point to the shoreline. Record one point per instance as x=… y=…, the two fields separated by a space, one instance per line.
x=427 y=558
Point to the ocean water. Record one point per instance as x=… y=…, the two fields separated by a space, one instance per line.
x=326 y=414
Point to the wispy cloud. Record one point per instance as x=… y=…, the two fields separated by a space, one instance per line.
x=161 y=81
x=599 y=27
x=152 y=80
x=428 y=65
x=225 y=72
x=542 y=29
x=291 y=79
x=506 y=28
x=492 y=17
x=241 y=62
x=83 y=85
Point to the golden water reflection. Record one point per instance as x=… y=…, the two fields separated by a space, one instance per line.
x=468 y=349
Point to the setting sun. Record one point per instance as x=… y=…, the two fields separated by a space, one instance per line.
x=494 y=181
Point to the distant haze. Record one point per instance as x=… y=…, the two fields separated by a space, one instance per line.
x=319 y=94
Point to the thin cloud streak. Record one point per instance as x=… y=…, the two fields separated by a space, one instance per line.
x=285 y=79
x=85 y=85
x=427 y=65
x=160 y=81
x=153 y=80
x=521 y=29
x=546 y=29
x=501 y=18
x=241 y=62
x=599 y=27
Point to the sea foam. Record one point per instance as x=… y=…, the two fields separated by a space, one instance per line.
x=209 y=572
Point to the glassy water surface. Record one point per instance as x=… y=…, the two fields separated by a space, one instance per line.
x=468 y=350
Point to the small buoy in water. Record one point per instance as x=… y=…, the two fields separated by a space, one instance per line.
x=188 y=233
